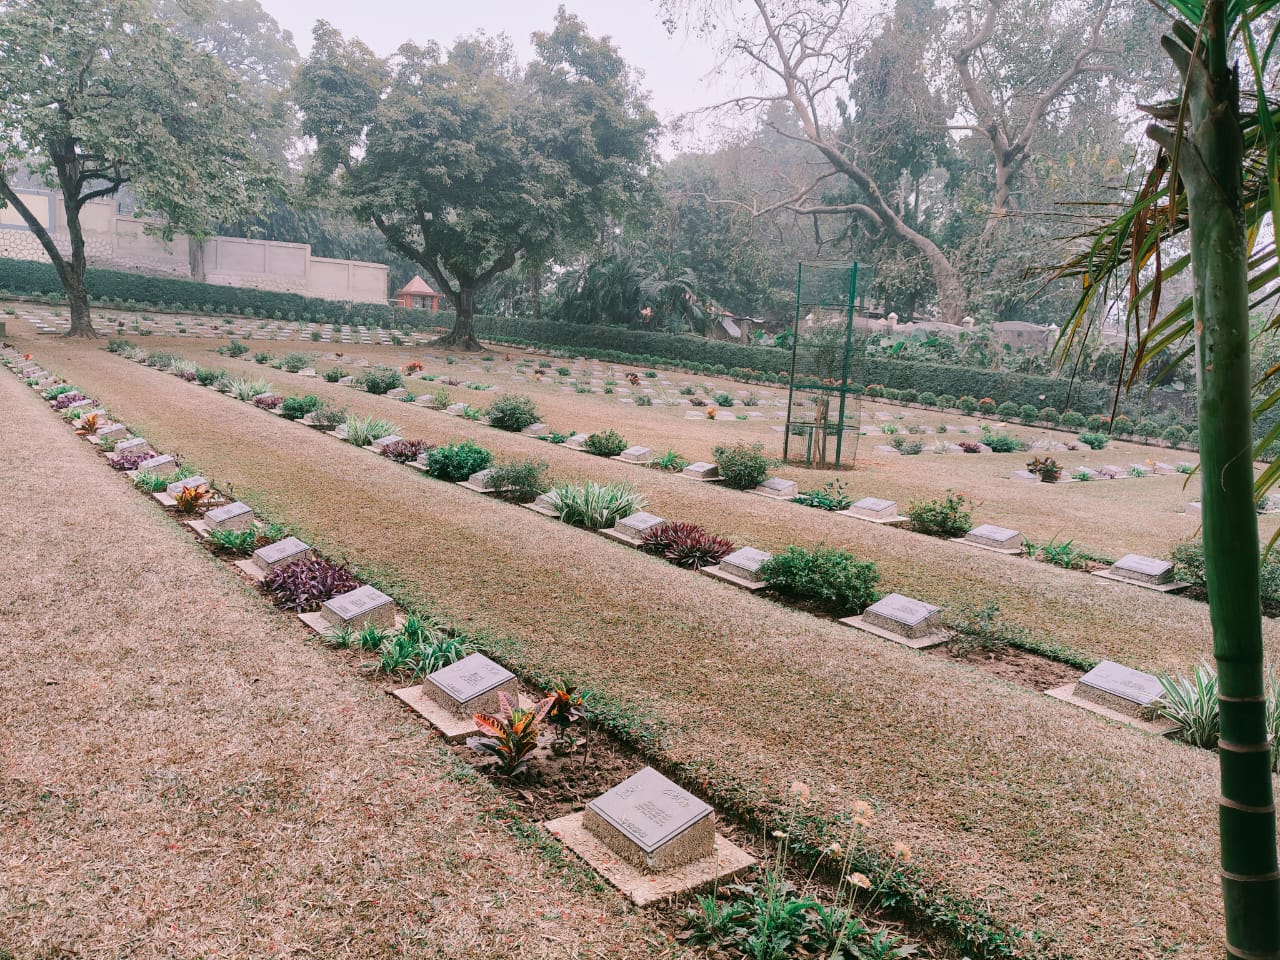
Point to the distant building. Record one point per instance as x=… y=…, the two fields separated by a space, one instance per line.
x=417 y=295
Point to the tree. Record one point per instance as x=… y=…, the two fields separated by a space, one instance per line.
x=1214 y=182
x=98 y=96
x=468 y=165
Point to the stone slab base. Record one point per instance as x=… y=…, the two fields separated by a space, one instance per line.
x=1161 y=728
x=545 y=511
x=164 y=499
x=772 y=496
x=453 y=729
x=1172 y=587
x=200 y=527
x=884 y=521
x=617 y=537
x=250 y=570
x=718 y=574
x=316 y=621
x=415 y=465
x=1007 y=551
x=701 y=479
x=468 y=485
x=915 y=643
x=726 y=862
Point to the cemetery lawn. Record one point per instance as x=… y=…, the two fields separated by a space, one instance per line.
x=1052 y=818
x=186 y=774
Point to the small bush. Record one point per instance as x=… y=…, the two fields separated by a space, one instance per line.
x=234 y=349
x=596 y=506
x=381 y=380
x=1003 y=442
x=988 y=406
x=908 y=448
x=1050 y=415
x=362 y=431
x=686 y=545
x=1094 y=441
x=207 y=377
x=671 y=461
x=1007 y=410
x=243 y=389
x=512 y=411
x=268 y=402
x=1073 y=420
x=830 y=496
x=1027 y=413
x=329 y=418
x=1147 y=429
x=334 y=374
x=967 y=404
x=519 y=481
x=929 y=398
x=835 y=580
x=302 y=586
x=295 y=408
x=948 y=517
x=946 y=400
x=742 y=465
x=605 y=444
x=403 y=451
x=457 y=461
x=1096 y=422
x=1174 y=434
x=294 y=362
x=644 y=400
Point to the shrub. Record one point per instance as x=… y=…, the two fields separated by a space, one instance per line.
x=1192 y=703
x=519 y=481
x=946 y=400
x=294 y=362
x=1094 y=441
x=513 y=735
x=295 y=408
x=606 y=444
x=967 y=404
x=834 y=580
x=381 y=380
x=644 y=400
x=1046 y=468
x=302 y=586
x=671 y=461
x=243 y=389
x=1174 y=434
x=742 y=465
x=1096 y=422
x=403 y=451
x=1050 y=415
x=129 y=461
x=987 y=405
x=686 y=545
x=1007 y=410
x=268 y=403
x=596 y=506
x=908 y=396
x=1028 y=413
x=1188 y=559
x=261 y=357
x=512 y=411
x=908 y=448
x=929 y=398
x=329 y=418
x=457 y=461
x=1147 y=428
x=1073 y=420
x=1002 y=442
x=234 y=349
x=207 y=377
x=1122 y=425
x=830 y=496
x=334 y=374
x=948 y=517
x=362 y=431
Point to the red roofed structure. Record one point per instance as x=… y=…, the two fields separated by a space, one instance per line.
x=417 y=294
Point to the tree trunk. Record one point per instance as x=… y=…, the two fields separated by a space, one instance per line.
x=73 y=277
x=535 y=291
x=462 y=336
x=1211 y=168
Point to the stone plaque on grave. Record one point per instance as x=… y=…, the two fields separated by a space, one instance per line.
x=652 y=823
x=636 y=455
x=161 y=464
x=745 y=564
x=455 y=409
x=481 y=479
x=1120 y=688
x=135 y=445
x=702 y=470
x=381 y=442
x=577 y=442
x=399 y=393
x=989 y=535
x=779 y=488
x=1143 y=569
x=635 y=525
x=359 y=607
x=112 y=431
x=470 y=686
x=902 y=615
x=75 y=405
x=536 y=430
x=281 y=552
x=875 y=508
x=234 y=516
x=187 y=483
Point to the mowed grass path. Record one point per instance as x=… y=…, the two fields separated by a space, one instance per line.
x=185 y=775
x=1097 y=618
x=1056 y=819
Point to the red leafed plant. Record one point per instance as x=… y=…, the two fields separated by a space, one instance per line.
x=413 y=366
x=404 y=451
x=686 y=545
x=129 y=461
x=512 y=734
x=303 y=585
x=189 y=498
x=268 y=402
x=89 y=423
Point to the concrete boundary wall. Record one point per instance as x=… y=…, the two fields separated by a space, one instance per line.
x=117 y=242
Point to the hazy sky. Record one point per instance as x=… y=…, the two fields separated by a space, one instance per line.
x=676 y=68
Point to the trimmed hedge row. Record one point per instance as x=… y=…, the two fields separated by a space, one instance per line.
x=171 y=293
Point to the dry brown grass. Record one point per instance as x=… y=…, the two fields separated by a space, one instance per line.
x=185 y=775
x=1057 y=820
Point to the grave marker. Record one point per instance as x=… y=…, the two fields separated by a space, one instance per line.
x=994 y=538
x=778 y=488
x=631 y=529
x=280 y=553
x=358 y=608
x=904 y=620
x=187 y=483
x=702 y=471
x=652 y=823
x=1120 y=688
x=741 y=568
x=640 y=455
x=234 y=516
x=470 y=686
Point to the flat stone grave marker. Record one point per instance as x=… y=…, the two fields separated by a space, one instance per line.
x=76 y=404
x=133 y=445
x=641 y=455
x=279 y=554
x=994 y=538
x=577 y=441
x=778 y=488
x=481 y=481
x=377 y=445
x=1026 y=475
x=902 y=619
x=347 y=381
x=874 y=508
x=1139 y=469
x=356 y=609
x=631 y=529
x=184 y=484
x=741 y=568
x=538 y=429
x=652 y=823
x=701 y=471
x=234 y=516
x=455 y=409
x=1120 y=688
x=1148 y=571
x=1165 y=468
x=112 y=431
x=470 y=686
x=163 y=463
x=398 y=393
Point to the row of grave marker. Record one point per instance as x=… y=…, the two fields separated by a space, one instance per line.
x=647 y=835
x=906 y=620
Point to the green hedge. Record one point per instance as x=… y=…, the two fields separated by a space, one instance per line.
x=31 y=277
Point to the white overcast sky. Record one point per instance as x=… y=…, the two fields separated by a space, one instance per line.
x=677 y=69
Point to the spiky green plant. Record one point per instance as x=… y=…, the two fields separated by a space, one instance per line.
x=245 y=389
x=1192 y=703
x=362 y=431
x=596 y=506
